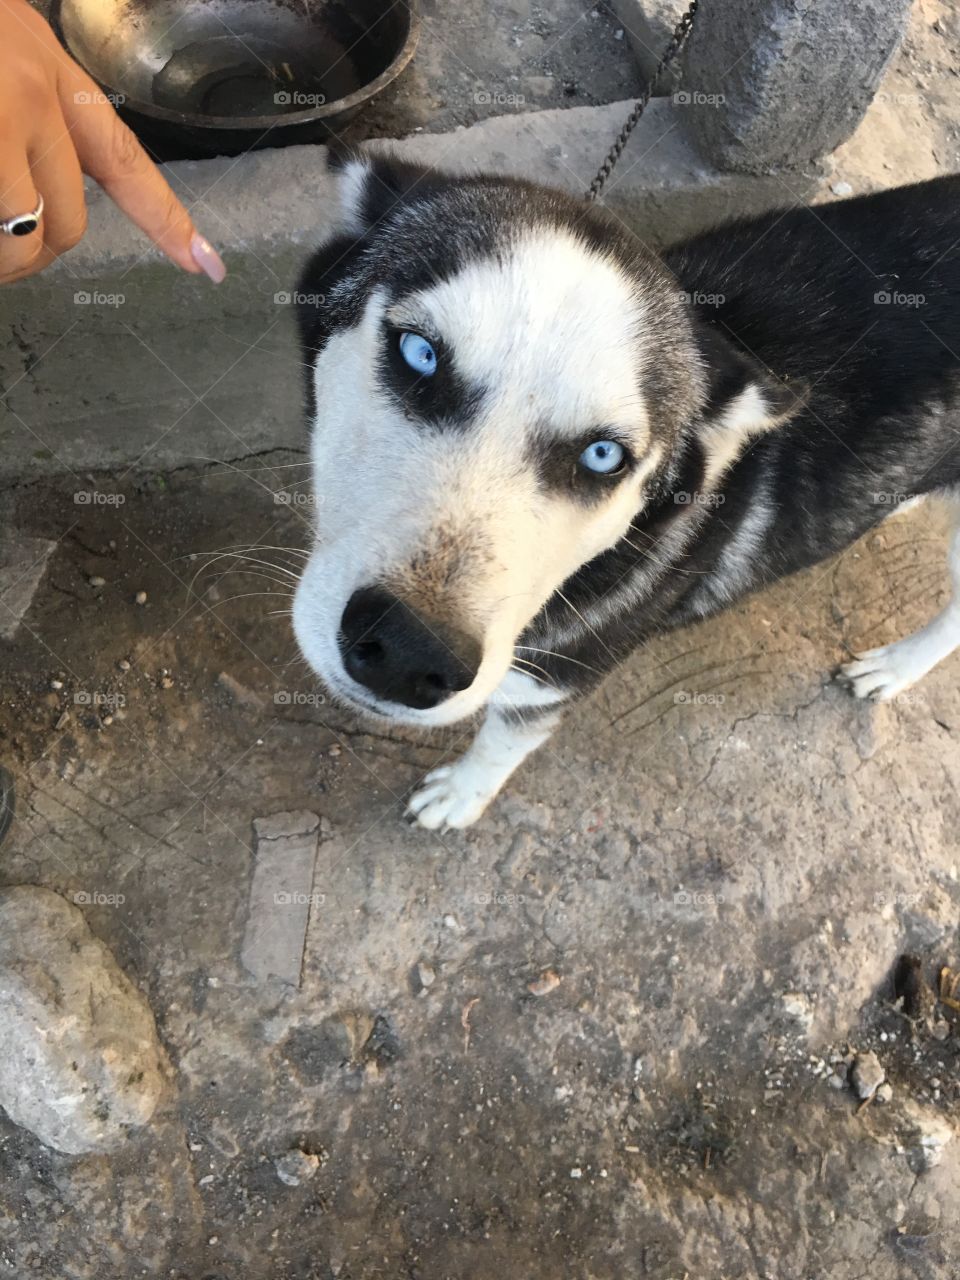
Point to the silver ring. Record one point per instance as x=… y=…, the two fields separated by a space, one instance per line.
x=23 y=223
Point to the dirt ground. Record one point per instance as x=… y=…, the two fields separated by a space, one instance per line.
x=720 y=858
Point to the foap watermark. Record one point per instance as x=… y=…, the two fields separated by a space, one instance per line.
x=88 y=97
x=97 y=498
x=698 y=299
x=491 y=898
x=94 y=698
x=95 y=898
x=697 y=899
x=291 y=498
x=899 y=901
x=498 y=98
x=294 y=298
x=297 y=98
x=891 y=497
x=297 y=698
x=900 y=99
x=298 y=899
x=683 y=498
x=893 y=298
x=691 y=698
x=693 y=98
x=94 y=298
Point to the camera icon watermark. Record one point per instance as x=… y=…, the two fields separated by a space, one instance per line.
x=94 y=698
x=693 y=98
x=691 y=698
x=697 y=899
x=83 y=898
x=698 y=299
x=498 y=98
x=297 y=698
x=89 y=97
x=294 y=298
x=888 y=298
x=96 y=498
x=295 y=98
x=683 y=498
x=296 y=899
x=291 y=498
x=94 y=298
x=890 y=498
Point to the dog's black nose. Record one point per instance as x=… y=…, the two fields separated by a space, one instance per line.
x=400 y=656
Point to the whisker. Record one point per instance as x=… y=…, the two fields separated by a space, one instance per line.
x=550 y=653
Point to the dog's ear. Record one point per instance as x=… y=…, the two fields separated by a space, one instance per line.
x=744 y=399
x=373 y=185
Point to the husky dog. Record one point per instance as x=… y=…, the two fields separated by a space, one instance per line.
x=535 y=443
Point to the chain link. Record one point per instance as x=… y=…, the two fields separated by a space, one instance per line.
x=677 y=41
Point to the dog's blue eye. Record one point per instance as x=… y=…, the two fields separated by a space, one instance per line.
x=418 y=353
x=603 y=456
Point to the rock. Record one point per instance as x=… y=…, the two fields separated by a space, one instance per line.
x=841 y=188
x=424 y=976
x=885 y=1092
x=866 y=1075
x=296 y=1167
x=927 y=1133
x=81 y=1063
x=798 y=1008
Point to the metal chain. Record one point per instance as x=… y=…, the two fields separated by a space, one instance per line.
x=677 y=41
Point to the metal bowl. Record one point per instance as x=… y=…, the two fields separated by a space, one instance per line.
x=217 y=77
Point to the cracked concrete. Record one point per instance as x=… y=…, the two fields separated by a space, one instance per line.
x=722 y=887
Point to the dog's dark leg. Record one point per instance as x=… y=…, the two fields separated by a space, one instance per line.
x=881 y=674
x=455 y=795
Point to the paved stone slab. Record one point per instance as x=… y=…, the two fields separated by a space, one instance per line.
x=281 y=895
x=23 y=562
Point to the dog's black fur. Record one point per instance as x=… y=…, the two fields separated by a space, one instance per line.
x=880 y=416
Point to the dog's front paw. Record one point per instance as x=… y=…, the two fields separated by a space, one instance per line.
x=880 y=674
x=455 y=795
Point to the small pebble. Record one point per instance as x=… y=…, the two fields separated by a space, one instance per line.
x=296 y=1167
x=140 y=597
x=425 y=976
x=885 y=1092
x=867 y=1075
x=206 y=1180
x=547 y=982
x=123 y=664
x=166 y=682
x=576 y=1172
x=841 y=188
x=97 y=581
x=335 y=750
x=56 y=684
x=107 y=719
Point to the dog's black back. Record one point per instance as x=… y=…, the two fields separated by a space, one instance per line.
x=856 y=307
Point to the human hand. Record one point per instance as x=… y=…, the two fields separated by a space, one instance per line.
x=56 y=125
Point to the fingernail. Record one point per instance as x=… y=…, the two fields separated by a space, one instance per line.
x=207 y=258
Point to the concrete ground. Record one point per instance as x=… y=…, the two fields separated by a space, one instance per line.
x=606 y=1032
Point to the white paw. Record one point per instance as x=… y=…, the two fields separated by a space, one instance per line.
x=880 y=674
x=454 y=795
